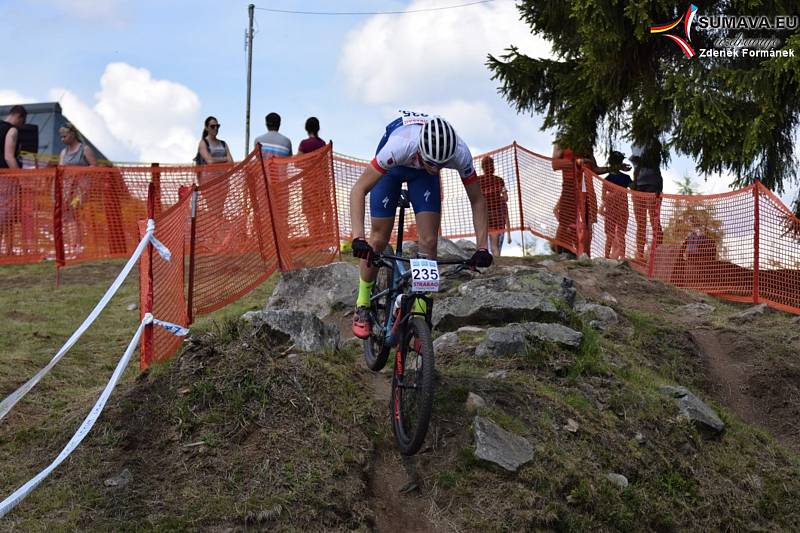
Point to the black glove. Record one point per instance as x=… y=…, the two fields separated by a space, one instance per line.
x=362 y=249
x=481 y=258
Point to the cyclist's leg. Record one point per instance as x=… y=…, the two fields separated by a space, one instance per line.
x=383 y=202
x=423 y=191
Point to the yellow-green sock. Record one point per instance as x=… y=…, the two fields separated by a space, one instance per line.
x=364 y=292
x=420 y=307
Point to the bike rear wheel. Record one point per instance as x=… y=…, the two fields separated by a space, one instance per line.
x=412 y=387
x=375 y=352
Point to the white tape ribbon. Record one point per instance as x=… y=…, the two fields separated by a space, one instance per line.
x=14 y=397
x=20 y=494
x=175 y=329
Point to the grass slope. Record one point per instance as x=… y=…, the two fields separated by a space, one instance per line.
x=236 y=434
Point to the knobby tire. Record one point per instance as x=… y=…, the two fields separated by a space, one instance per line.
x=375 y=352
x=411 y=407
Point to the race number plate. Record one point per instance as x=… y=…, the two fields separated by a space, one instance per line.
x=411 y=117
x=424 y=275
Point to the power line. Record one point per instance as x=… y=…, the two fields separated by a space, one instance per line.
x=372 y=12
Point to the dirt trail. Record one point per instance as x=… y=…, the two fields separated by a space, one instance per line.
x=393 y=482
x=751 y=368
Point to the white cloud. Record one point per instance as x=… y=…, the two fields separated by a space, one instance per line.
x=11 y=97
x=90 y=124
x=414 y=56
x=156 y=118
x=135 y=116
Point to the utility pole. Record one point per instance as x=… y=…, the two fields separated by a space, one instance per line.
x=249 y=43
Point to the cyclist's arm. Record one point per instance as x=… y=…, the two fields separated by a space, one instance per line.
x=358 y=195
x=480 y=216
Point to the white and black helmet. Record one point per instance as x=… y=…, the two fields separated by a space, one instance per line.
x=437 y=141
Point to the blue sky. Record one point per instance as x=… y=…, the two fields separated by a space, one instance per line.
x=139 y=77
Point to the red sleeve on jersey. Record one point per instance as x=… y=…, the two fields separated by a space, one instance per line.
x=377 y=166
x=472 y=178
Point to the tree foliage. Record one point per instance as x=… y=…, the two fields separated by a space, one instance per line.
x=610 y=74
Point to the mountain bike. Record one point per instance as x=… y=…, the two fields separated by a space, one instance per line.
x=399 y=321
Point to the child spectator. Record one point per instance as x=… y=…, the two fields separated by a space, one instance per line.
x=614 y=206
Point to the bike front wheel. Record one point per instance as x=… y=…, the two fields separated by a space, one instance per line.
x=375 y=351
x=412 y=387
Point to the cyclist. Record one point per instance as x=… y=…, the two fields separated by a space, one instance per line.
x=414 y=149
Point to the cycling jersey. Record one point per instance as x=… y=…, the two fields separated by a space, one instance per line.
x=399 y=148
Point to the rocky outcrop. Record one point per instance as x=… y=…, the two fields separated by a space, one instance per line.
x=514 y=294
x=513 y=339
x=306 y=331
x=321 y=290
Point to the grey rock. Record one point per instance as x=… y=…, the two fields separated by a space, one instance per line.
x=500 y=342
x=697 y=309
x=119 y=481
x=474 y=402
x=618 y=480
x=307 y=332
x=557 y=333
x=496 y=445
x=132 y=307
x=749 y=314
x=796 y=320
x=604 y=261
x=492 y=308
x=639 y=438
x=608 y=298
x=497 y=374
x=571 y=426
x=466 y=245
x=321 y=290
x=524 y=294
x=447 y=250
x=448 y=339
x=604 y=316
x=693 y=408
x=470 y=329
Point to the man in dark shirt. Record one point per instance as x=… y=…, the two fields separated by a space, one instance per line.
x=647 y=178
x=9 y=136
x=9 y=185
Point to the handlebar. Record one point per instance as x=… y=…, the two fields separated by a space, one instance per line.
x=461 y=264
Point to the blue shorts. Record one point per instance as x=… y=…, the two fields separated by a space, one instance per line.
x=423 y=191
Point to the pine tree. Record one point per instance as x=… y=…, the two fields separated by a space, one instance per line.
x=610 y=74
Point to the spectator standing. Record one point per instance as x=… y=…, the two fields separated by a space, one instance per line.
x=76 y=186
x=316 y=190
x=274 y=144
x=75 y=151
x=9 y=136
x=494 y=190
x=614 y=206
x=9 y=185
x=313 y=142
x=211 y=149
x=647 y=178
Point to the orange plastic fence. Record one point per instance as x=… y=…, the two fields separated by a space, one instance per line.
x=73 y=214
x=230 y=227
